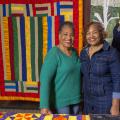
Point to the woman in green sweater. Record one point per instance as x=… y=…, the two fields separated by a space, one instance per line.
x=60 y=76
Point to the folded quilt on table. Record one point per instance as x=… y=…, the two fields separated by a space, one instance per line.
x=36 y=116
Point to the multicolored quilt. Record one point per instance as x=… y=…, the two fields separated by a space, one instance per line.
x=28 y=30
x=36 y=116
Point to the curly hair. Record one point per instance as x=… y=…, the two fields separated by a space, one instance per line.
x=100 y=29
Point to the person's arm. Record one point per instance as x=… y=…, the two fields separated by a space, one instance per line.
x=115 y=72
x=47 y=73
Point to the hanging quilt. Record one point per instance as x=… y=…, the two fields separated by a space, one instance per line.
x=28 y=30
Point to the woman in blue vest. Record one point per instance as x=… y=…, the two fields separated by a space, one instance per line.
x=100 y=65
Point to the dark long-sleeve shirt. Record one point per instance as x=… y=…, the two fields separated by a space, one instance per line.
x=116 y=38
x=101 y=72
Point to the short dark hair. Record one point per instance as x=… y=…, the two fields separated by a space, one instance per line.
x=67 y=23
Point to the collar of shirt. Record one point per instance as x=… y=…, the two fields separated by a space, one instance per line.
x=106 y=46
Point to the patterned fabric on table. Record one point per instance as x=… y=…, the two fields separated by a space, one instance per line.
x=27 y=33
x=1 y=115
x=36 y=116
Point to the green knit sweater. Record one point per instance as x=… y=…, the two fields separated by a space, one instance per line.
x=60 y=74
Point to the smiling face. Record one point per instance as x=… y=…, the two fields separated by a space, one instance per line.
x=95 y=34
x=66 y=37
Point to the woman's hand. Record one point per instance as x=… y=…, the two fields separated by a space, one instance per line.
x=115 y=107
x=114 y=110
x=45 y=111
